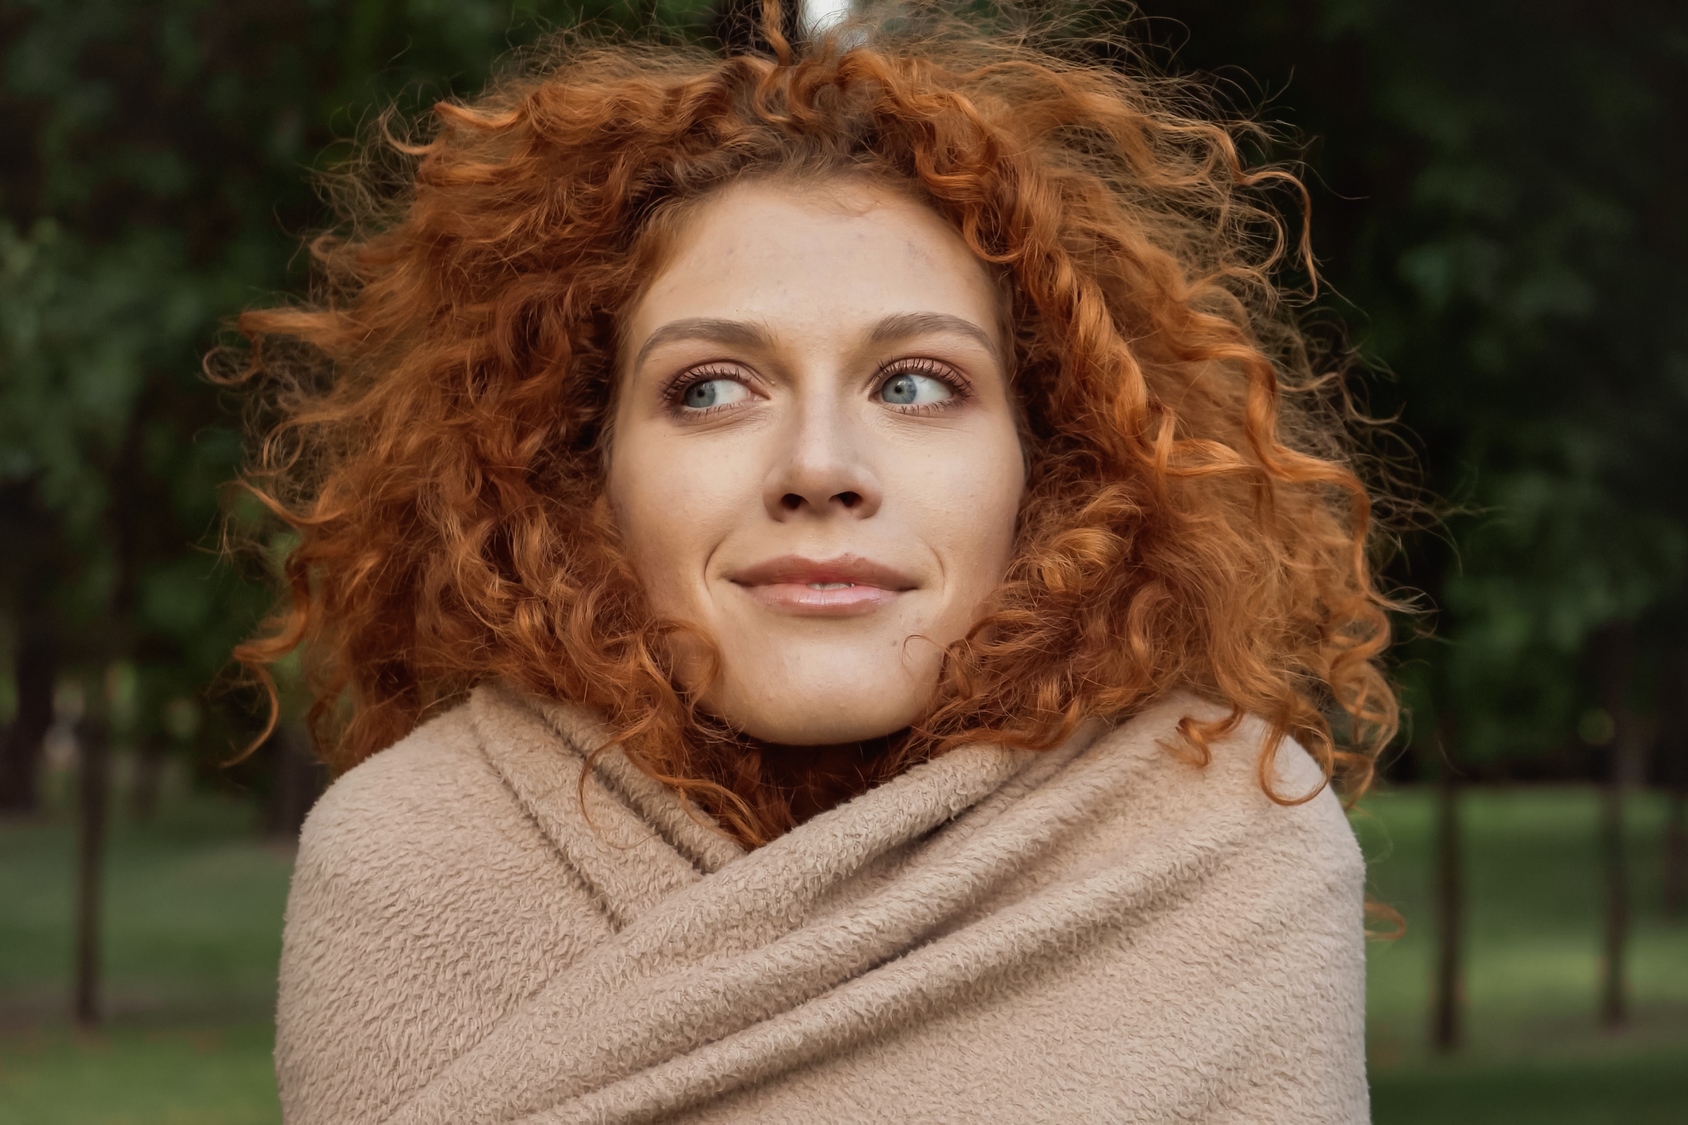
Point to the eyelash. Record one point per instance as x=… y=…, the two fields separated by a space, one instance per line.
x=960 y=391
x=676 y=389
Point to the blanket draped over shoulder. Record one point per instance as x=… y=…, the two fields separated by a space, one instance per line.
x=1103 y=932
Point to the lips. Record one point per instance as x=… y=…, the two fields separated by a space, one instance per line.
x=844 y=586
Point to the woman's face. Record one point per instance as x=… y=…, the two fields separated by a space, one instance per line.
x=814 y=455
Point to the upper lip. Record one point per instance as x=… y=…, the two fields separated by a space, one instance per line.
x=845 y=568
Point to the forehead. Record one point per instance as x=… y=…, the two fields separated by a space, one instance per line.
x=821 y=257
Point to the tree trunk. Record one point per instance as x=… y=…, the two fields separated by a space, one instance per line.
x=1676 y=851
x=1614 y=650
x=114 y=642
x=149 y=776
x=1447 y=1002
x=1673 y=742
x=34 y=671
x=1614 y=992
x=94 y=746
x=297 y=780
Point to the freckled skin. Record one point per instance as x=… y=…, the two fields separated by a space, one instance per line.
x=817 y=375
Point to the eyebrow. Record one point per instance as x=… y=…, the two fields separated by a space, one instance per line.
x=743 y=333
x=904 y=325
x=740 y=332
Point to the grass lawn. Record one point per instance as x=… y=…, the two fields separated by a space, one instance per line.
x=131 y=1075
x=193 y=919
x=1534 y=1051
x=194 y=913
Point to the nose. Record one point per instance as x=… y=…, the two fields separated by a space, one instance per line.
x=823 y=468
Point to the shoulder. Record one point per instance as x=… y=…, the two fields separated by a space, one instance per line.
x=415 y=796
x=422 y=829
x=1260 y=887
x=1272 y=807
x=425 y=906
x=1281 y=876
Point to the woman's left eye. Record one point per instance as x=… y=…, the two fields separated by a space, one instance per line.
x=914 y=390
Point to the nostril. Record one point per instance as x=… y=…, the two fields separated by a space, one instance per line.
x=848 y=499
x=791 y=501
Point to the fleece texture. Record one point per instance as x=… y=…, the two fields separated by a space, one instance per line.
x=1100 y=933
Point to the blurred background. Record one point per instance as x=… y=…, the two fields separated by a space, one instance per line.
x=1498 y=202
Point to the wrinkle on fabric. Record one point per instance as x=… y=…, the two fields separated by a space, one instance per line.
x=1102 y=932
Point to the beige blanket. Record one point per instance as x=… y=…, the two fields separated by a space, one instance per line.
x=1099 y=933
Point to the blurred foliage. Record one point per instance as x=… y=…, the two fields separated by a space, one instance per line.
x=157 y=179
x=1497 y=205
x=1498 y=208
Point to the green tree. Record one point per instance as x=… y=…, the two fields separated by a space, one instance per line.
x=158 y=179
x=1497 y=195
x=1494 y=197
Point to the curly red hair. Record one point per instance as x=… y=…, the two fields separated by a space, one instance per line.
x=1189 y=523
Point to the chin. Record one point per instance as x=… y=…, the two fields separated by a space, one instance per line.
x=823 y=689
x=792 y=716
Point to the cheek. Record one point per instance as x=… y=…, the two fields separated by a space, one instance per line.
x=674 y=502
x=970 y=502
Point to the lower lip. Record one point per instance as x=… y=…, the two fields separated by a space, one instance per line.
x=846 y=601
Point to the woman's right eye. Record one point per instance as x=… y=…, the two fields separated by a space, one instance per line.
x=706 y=393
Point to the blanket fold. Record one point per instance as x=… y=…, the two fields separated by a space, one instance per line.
x=1103 y=932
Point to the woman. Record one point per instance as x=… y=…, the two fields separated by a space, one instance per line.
x=823 y=608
